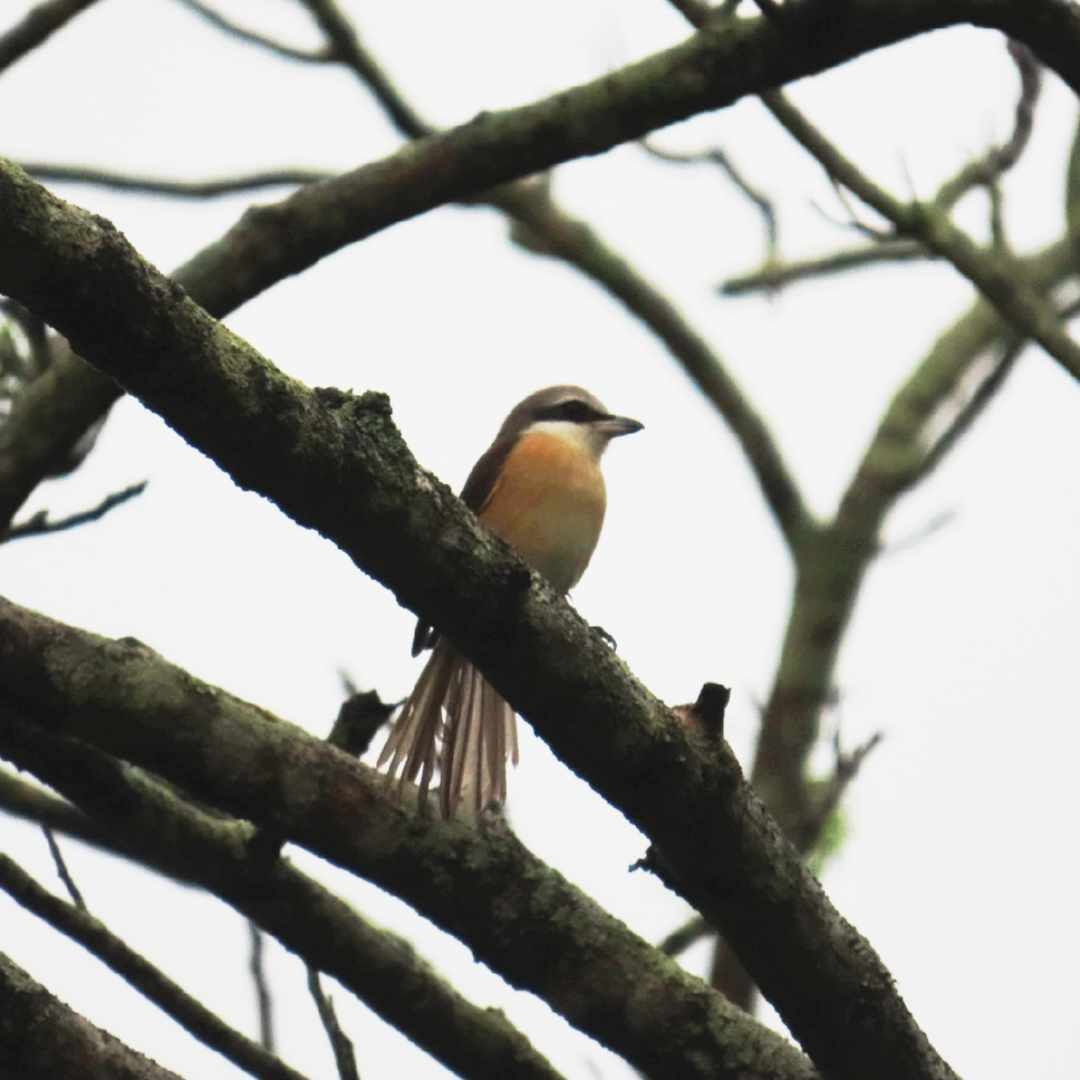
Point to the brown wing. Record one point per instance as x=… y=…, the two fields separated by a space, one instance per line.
x=475 y=495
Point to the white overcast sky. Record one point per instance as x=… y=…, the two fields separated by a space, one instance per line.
x=961 y=864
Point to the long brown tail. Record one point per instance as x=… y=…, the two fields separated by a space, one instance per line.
x=455 y=720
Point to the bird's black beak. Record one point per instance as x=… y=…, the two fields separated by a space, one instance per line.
x=614 y=426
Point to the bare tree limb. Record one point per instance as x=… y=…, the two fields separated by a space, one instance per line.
x=253 y=37
x=36 y=27
x=41 y=1038
x=136 y=817
x=111 y=950
x=40 y=525
x=520 y=917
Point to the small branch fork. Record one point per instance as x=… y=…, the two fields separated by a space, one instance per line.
x=985 y=171
x=40 y=525
x=253 y=37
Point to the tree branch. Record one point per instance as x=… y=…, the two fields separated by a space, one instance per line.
x=41 y=1038
x=36 y=27
x=832 y=566
x=523 y=919
x=984 y=171
x=141 y=819
x=775 y=275
x=345 y=45
x=96 y=938
x=999 y=159
x=253 y=37
x=690 y=933
x=996 y=278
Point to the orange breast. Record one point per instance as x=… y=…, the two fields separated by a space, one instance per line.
x=549 y=503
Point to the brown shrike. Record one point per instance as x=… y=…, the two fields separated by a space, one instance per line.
x=540 y=488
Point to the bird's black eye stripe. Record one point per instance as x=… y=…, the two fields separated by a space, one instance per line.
x=575 y=410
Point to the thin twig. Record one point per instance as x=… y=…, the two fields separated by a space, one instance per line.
x=985 y=171
x=344 y=1056
x=690 y=933
x=721 y=160
x=929 y=528
x=253 y=37
x=263 y=999
x=36 y=27
x=152 y=983
x=986 y=391
x=999 y=159
x=846 y=768
x=774 y=276
x=62 y=870
x=40 y=525
x=158 y=185
x=346 y=46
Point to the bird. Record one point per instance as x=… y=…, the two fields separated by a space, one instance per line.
x=539 y=487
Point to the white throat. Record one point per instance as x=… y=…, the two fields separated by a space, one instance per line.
x=584 y=437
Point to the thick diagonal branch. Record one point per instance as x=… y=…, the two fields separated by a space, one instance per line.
x=128 y=813
x=41 y=1038
x=147 y=979
x=518 y=915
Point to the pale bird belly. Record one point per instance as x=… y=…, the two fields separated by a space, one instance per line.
x=549 y=503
